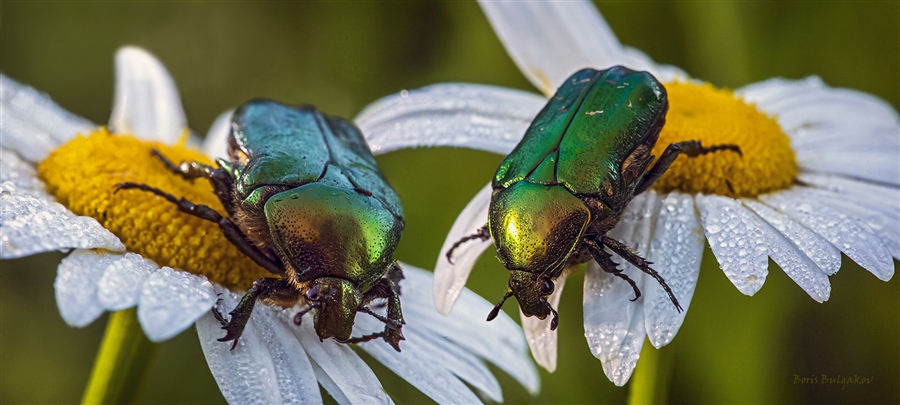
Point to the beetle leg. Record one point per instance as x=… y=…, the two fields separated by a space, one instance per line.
x=388 y=288
x=690 y=148
x=608 y=265
x=367 y=338
x=222 y=182
x=641 y=264
x=278 y=289
x=230 y=229
x=482 y=234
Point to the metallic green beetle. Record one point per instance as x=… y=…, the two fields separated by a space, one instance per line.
x=566 y=184
x=305 y=201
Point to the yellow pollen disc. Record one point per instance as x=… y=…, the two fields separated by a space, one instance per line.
x=83 y=173
x=716 y=116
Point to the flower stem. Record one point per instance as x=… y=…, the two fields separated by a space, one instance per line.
x=123 y=360
x=650 y=382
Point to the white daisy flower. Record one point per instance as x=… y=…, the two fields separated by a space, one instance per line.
x=818 y=177
x=131 y=252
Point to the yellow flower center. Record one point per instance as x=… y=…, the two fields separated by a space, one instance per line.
x=83 y=173
x=716 y=116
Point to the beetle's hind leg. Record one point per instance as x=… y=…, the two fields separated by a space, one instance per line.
x=641 y=264
x=608 y=265
x=690 y=148
x=388 y=288
x=277 y=290
x=230 y=229
x=481 y=234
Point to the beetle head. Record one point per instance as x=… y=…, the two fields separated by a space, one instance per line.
x=531 y=290
x=336 y=301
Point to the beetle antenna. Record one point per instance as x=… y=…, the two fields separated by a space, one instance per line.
x=298 y=317
x=496 y=310
x=555 y=322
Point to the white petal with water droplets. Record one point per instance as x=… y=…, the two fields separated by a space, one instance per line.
x=852 y=237
x=293 y=369
x=22 y=174
x=499 y=341
x=874 y=165
x=30 y=225
x=482 y=117
x=736 y=240
x=171 y=301
x=33 y=124
x=543 y=341
x=676 y=251
x=826 y=257
x=551 y=40
x=120 y=286
x=246 y=374
x=146 y=102
x=422 y=364
x=450 y=278
x=76 y=285
x=885 y=226
x=795 y=263
x=348 y=373
x=619 y=368
x=875 y=196
x=215 y=145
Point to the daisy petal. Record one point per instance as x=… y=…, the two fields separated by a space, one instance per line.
x=29 y=225
x=499 y=341
x=736 y=240
x=423 y=365
x=869 y=165
x=550 y=41
x=22 y=174
x=171 y=301
x=810 y=100
x=637 y=60
x=885 y=226
x=619 y=368
x=676 y=251
x=215 y=145
x=293 y=369
x=877 y=197
x=823 y=253
x=610 y=315
x=351 y=377
x=120 y=286
x=246 y=374
x=450 y=278
x=330 y=386
x=33 y=124
x=76 y=285
x=541 y=339
x=467 y=115
x=795 y=264
x=852 y=237
x=146 y=103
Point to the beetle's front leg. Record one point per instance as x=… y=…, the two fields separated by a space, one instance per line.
x=641 y=264
x=230 y=229
x=690 y=148
x=389 y=289
x=222 y=182
x=481 y=234
x=276 y=290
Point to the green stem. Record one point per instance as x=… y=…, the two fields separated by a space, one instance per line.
x=650 y=382
x=123 y=360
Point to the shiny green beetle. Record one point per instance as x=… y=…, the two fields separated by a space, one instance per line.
x=566 y=184
x=305 y=201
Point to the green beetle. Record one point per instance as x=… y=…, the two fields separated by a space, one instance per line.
x=565 y=185
x=305 y=201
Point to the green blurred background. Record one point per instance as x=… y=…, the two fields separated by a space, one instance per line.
x=342 y=56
